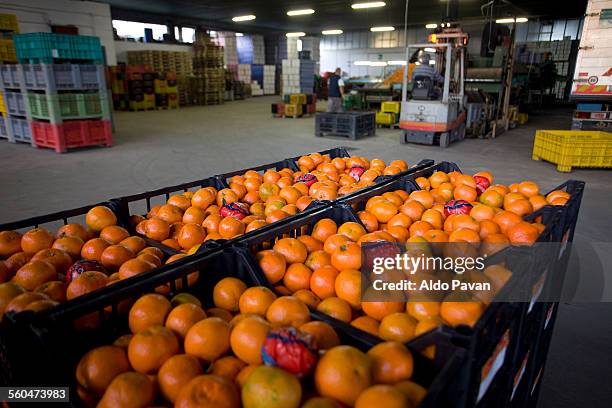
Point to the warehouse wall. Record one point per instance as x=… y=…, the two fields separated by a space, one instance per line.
x=91 y=18
x=122 y=47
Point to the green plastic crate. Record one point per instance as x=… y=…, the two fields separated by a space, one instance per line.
x=57 y=108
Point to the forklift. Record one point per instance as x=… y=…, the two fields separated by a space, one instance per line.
x=436 y=112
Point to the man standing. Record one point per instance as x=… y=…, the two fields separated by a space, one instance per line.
x=335 y=92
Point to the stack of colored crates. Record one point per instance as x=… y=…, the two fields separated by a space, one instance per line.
x=8 y=27
x=52 y=101
x=166 y=92
x=295 y=105
x=389 y=114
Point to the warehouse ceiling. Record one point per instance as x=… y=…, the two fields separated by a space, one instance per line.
x=272 y=17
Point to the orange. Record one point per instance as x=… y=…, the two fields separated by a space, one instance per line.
x=172 y=243
x=34 y=274
x=488 y=227
x=292 y=249
x=347 y=256
x=238 y=189
x=492 y=198
x=413 y=209
x=288 y=311
x=379 y=310
x=114 y=234
x=149 y=310
x=98 y=367
x=183 y=317
x=114 y=256
x=423 y=197
x=272 y=264
x=322 y=281
x=465 y=235
x=179 y=201
x=71 y=245
x=9 y=291
x=134 y=244
x=438 y=178
x=297 y=277
x=306 y=296
x=20 y=302
x=208 y=339
x=256 y=300
x=528 y=188
x=413 y=392
x=351 y=230
x=369 y=220
x=482 y=212
x=342 y=374
x=560 y=195
x=250 y=227
x=211 y=223
x=383 y=210
x=400 y=220
x=208 y=391
x=337 y=308
x=230 y=227
x=458 y=309
x=494 y=243
x=271 y=387
x=156 y=229
x=74 y=230
x=150 y=348
x=422 y=310
x=321 y=402
x=435 y=235
x=334 y=242
x=267 y=190
x=175 y=373
x=423 y=183
x=398 y=327
x=244 y=374
x=419 y=228
x=99 y=217
x=317 y=259
x=203 y=198
x=424 y=326
x=347 y=286
x=392 y=362
x=434 y=218
x=248 y=337
x=391 y=170
x=367 y=324
x=10 y=243
x=324 y=335
x=56 y=290
x=537 y=202
x=134 y=267
x=506 y=219
x=464 y=179
x=465 y=192
x=226 y=196
x=382 y=395
x=128 y=389
x=511 y=197
x=85 y=283
x=220 y=313
x=520 y=207
x=36 y=239
x=394 y=198
x=498 y=276
x=227 y=292
x=154 y=251
x=522 y=233
x=303 y=202
x=227 y=367
x=193 y=215
x=290 y=194
x=56 y=257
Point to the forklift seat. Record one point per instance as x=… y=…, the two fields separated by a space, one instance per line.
x=424 y=89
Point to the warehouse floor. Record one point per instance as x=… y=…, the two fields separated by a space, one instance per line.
x=156 y=149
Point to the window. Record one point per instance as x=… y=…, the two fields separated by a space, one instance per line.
x=132 y=29
x=188 y=34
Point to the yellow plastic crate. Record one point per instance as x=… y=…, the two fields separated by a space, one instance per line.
x=390 y=107
x=297 y=99
x=523 y=118
x=573 y=148
x=7 y=51
x=385 y=118
x=8 y=22
x=293 y=110
x=2 y=105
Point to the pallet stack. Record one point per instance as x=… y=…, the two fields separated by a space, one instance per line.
x=56 y=97
x=208 y=66
x=8 y=27
x=137 y=88
x=259 y=54
x=269 y=79
x=166 y=91
x=298 y=76
x=295 y=106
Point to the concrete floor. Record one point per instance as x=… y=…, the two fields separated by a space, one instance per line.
x=155 y=149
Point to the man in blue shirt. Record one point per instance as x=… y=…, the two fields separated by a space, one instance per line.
x=335 y=92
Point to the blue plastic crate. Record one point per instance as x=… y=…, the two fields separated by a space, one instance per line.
x=15 y=103
x=20 y=129
x=10 y=76
x=63 y=77
x=3 y=127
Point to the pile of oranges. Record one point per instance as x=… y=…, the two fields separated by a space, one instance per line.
x=323 y=268
x=34 y=266
x=179 y=353
x=254 y=200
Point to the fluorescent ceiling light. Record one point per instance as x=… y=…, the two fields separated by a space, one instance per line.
x=243 y=18
x=432 y=25
x=372 y=4
x=428 y=49
x=299 y=34
x=331 y=32
x=396 y=62
x=361 y=63
x=300 y=12
x=378 y=64
x=239 y=35
x=385 y=28
x=432 y=62
x=511 y=20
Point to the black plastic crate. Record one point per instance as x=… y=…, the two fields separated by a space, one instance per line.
x=45 y=333
x=353 y=125
x=279 y=165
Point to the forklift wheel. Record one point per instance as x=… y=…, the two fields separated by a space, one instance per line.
x=444 y=139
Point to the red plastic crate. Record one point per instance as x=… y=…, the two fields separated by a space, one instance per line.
x=68 y=135
x=312 y=108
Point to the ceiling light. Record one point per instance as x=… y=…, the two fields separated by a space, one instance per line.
x=299 y=34
x=417 y=63
x=512 y=20
x=239 y=35
x=378 y=64
x=300 y=12
x=428 y=49
x=432 y=25
x=331 y=32
x=361 y=63
x=372 y=4
x=396 y=62
x=432 y=62
x=384 y=28
x=243 y=18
